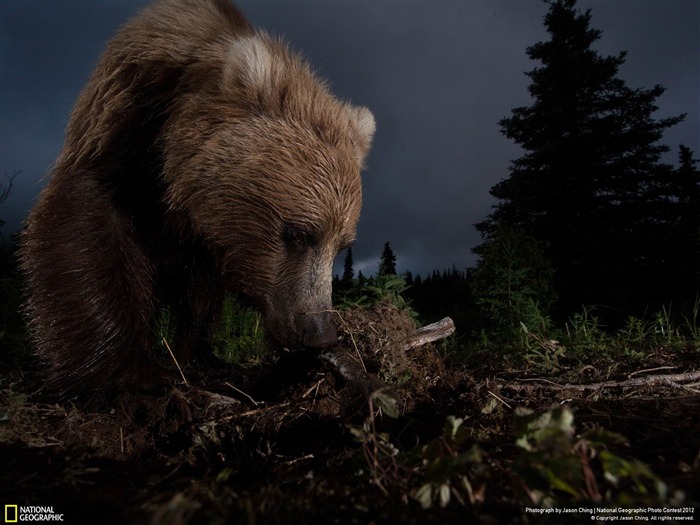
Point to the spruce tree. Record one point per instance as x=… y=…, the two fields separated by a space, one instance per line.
x=688 y=196
x=387 y=263
x=512 y=287
x=682 y=254
x=591 y=158
x=348 y=272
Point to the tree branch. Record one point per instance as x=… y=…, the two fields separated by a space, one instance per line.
x=651 y=380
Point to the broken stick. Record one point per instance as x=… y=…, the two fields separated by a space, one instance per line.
x=430 y=333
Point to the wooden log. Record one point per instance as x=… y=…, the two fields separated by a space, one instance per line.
x=430 y=333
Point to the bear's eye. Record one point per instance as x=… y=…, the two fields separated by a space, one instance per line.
x=298 y=237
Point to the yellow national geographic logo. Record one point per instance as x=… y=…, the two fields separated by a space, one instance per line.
x=16 y=514
x=10 y=513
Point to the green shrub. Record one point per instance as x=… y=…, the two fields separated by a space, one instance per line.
x=512 y=287
x=366 y=292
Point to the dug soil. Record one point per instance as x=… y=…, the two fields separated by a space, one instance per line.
x=299 y=440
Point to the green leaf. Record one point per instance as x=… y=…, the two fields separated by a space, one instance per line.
x=424 y=495
x=387 y=403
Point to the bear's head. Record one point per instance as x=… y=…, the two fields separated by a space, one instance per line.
x=268 y=171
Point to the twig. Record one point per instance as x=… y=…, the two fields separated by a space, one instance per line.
x=592 y=491
x=297 y=460
x=639 y=372
x=255 y=403
x=314 y=387
x=357 y=351
x=352 y=338
x=372 y=455
x=255 y=411
x=501 y=400
x=175 y=360
x=259 y=410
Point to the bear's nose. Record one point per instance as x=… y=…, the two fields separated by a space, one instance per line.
x=319 y=331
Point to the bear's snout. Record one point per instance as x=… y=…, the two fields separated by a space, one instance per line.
x=318 y=331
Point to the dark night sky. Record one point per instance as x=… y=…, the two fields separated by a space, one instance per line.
x=437 y=75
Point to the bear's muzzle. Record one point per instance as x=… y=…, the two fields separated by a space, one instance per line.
x=318 y=331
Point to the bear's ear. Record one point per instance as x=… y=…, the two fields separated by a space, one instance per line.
x=250 y=62
x=364 y=128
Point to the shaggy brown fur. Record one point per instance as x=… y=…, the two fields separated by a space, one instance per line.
x=202 y=156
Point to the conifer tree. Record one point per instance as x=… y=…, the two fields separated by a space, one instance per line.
x=582 y=187
x=348 y=272
x=512 y=286
x=682 y=252
x=387 y=263
x=688 y=194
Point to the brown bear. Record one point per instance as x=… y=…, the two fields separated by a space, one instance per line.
x=202 y=157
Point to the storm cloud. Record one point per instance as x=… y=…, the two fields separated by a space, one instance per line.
x=437 y=75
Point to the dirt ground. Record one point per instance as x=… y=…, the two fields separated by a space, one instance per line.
x=299 y=441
